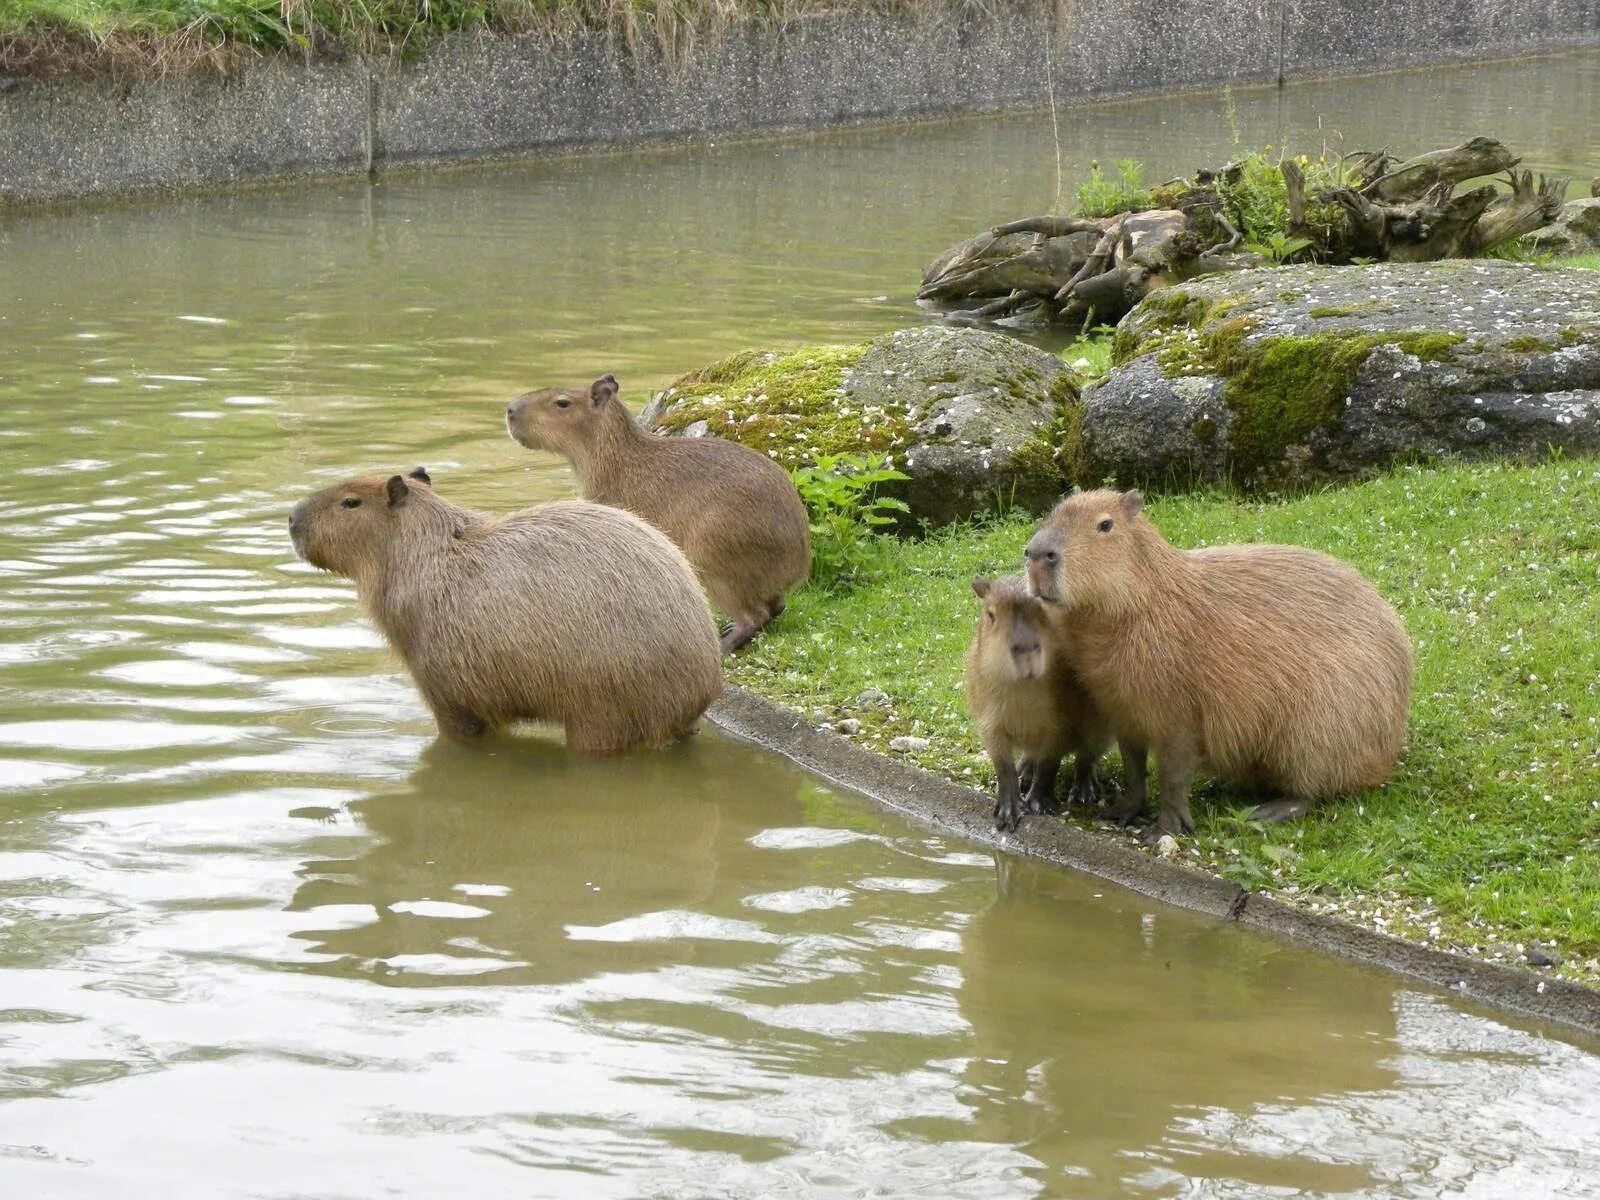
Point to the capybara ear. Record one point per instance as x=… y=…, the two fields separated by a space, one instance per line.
x=1075 y=490
x=603 y=389
x=396 y=490
x=421 y=473
x=1132 y=502
x=980 y=586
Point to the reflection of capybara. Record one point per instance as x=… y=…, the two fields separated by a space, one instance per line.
x=571 y=612
x=733 y=511
x=1027 y=703
x=1273 y=665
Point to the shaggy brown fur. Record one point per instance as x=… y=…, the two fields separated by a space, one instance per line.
x=733 y=511
x=1028 y=704
x=570 y=612
x=1270 y=665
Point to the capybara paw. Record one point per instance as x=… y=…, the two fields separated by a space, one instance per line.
x=1007 y=817
x=1084 y=792
x=736 y=633
x=1125 y=815
x=1173 y=822
x=1039 y=802
x=1279 y=810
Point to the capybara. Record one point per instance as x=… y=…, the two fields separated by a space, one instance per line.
x=1028 y=704
x=732 y=510
x=570 y=612
x=1270 y=665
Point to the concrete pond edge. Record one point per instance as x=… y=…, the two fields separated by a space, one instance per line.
x=965 y=812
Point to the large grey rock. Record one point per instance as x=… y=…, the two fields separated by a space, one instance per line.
x=970 y=415
x=1299 y=375
x=1576 y=229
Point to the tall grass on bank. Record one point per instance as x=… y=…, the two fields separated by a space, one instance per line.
x=1488 y=835
x=59 y=35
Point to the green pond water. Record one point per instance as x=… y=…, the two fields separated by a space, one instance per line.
x=261 y=935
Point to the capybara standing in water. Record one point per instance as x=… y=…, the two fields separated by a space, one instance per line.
x=732 y=510
x=1270 y=665
x=570 y=612
x=1028 y=704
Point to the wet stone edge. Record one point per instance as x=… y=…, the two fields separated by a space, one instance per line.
x=965 y=812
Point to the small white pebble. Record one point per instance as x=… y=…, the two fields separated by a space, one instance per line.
x=903 y=744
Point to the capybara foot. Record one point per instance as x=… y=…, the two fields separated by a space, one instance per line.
x=1040 y=789
x=736 y=633
x=1008 y=813
x=1085 y=790
x=1125 y=814
x=1280 y=810
x=1171 y=820
x=460 y=724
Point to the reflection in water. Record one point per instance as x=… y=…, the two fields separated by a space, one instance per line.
x=1144 y=1020
x=262 y=936
x=517 y=861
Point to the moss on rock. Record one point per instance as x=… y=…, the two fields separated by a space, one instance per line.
x=789 y=406
x=972 y=417
x=1296 y=376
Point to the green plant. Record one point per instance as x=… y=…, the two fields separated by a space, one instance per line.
x=840 y=493
x=1279 y=247
x=1102 y=196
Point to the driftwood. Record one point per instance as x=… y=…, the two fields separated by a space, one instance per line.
x=1079 y=270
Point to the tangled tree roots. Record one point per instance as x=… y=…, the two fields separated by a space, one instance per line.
x=1079 y=271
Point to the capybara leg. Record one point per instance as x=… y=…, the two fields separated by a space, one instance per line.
x=1041 y=790
x=1135 y=783
x=596 y=737
x=775 y=607
x=1280 y=810
x=1085 y=779
x=1008 y=796
x=459 y=723
x=737 y=633
x=1177 y=773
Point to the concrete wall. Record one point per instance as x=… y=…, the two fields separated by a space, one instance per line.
x=494 y=98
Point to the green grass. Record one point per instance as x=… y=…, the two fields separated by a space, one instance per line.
x=1489 y=834
x=1592 y=261
x=50 y=35
x=1090 y=356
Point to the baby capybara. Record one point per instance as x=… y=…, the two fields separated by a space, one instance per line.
x=1028 y=704
x=1269 y=665
x=570 y=612
x=732 y=510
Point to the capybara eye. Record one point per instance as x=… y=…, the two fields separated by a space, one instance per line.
x=350 y=502
x=1104 y=526
x=563 y=403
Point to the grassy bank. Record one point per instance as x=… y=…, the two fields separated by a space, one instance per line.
x=47 y=36
x=1487 y=839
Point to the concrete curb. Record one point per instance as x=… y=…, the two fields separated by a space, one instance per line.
x=965 y=812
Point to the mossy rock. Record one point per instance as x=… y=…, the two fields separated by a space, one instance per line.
x=974 y=418
x=1296 y=376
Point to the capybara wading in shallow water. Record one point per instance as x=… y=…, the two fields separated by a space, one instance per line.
x=733 y=511
x=1028 y=704
x=1270 y=665
x=570 y=612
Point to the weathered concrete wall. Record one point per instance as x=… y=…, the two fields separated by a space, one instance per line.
x=493 y=98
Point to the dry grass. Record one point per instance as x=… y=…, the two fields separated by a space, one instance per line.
x=154 y=37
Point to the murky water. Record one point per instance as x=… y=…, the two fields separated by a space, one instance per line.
x=261 y=935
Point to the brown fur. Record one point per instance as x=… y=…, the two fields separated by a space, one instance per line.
x=1271 y=665
x=570 y=612
x=733 y=511
x=1028 y=703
